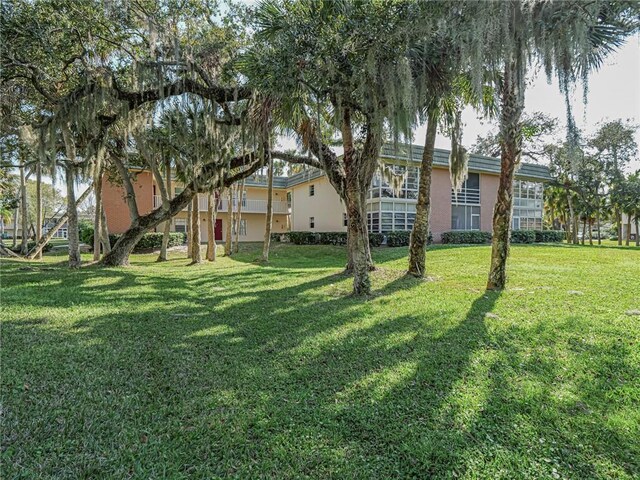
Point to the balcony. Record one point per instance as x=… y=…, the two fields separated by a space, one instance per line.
x=466 y=196
x=248 y=206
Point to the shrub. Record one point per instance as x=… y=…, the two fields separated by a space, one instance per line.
x=549 y=236
x=376 y=239
x=399 y=238
x=466 y=237
x=303 y=238
x=85 y=230
x=280 y=237
x=152 y=241
x=523 y=236
x=327 y=238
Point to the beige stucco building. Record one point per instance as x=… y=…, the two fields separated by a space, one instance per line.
x=306 y=201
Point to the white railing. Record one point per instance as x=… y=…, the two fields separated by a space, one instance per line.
x=470 y=196
x=248 y=206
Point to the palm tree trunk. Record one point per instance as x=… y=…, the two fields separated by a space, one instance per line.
x=584 y=229
x=269 y=217
x=619 y=226
x=196 y=256
x=97 y=220
x=24 y=213
x=229 y=231
x=14 y=241
x=106 y=243
x=599 y=229
x=590 y=233
x=212 y=216
x=239 y=216
x=166 y=232
x=189 y=229
x=420 y=231
x=512 y=104
x=38 y=207
x=628 y=236
x=637 y=231
x=572 y=219
x=72 y=222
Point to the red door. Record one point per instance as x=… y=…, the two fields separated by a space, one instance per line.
x=218 y=229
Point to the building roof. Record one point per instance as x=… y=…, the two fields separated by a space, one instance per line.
x=403 y=153
x=477 y=163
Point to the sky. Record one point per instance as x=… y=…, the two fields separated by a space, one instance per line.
x=614 y=92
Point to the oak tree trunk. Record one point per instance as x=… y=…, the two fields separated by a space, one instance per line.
x=358 y=240
x=106 y=243
x=52 y=231
x=420 y=231
x=72 y=222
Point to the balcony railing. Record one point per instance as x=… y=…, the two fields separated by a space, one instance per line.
x=248 y=206
x=469 y=196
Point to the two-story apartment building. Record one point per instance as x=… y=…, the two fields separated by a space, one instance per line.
x=315 y=206
x=306 y=201
x=253 y=203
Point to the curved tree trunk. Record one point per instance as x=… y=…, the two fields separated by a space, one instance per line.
x=72 y=222
x=512 y=104
x=52 y=231
x=38 y=207
x=420 y=231
x=269 y=216
x=212 y=216
x=196 y=255
x=229 y=231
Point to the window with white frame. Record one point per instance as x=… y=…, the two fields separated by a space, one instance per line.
x=469 y=193
x=180 y=225
x=312 y=222
x=527 y=205
x=465 y=217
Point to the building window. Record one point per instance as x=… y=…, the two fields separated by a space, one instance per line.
x=527 y=205
x=243 y=228
x=180 y=225
x=469 y=194
x=312 y=222
x=465 y=217
x=345 y=220
x=312 y=190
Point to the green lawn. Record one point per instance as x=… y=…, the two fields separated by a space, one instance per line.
x=239 y=370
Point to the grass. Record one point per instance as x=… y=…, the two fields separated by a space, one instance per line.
x=240 y=370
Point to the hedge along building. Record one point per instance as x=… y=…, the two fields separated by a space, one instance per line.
x=315 y=206
x=252 y=203
x=306 y=201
